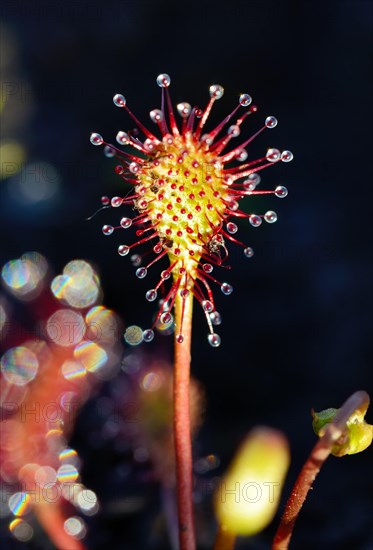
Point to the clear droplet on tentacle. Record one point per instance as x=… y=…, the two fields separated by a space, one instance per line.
x=287 y=156
x=255 y=220
x=241 y=155
x=232 y=228
x=226 y=288
x=141 y=272
x=148 y=335
x=119 y=100
x=96 y=139
x=151 y=294
x=184 y=109
x=123 y=138
x=163 y=80
x=214 y=340
x=273 y=155
x=216 y=91
x=166 y=318
x=156 y=115
x=126 y=223
x=281 y=192
x=107 y=229
x=234 y=130
x=136 y=260
x=149 y=145
x=245 y=100
x=109 y=152
x=116 y=202
x=251 y=182
x=270 y=216
x=207 y=306
x=215 y=318
x=123 y=250
x=271 y=121
x=249 y=252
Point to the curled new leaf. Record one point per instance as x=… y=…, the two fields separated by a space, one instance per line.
x=357 y=436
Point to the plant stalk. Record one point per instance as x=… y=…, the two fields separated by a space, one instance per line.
x=182 y=426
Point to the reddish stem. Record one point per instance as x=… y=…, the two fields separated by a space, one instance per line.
x=182 y=428
x=311 y=468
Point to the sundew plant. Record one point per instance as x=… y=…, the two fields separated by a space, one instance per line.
x=187 y=184
x=187 y=180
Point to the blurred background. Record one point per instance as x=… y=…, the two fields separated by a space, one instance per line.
x=296 y=331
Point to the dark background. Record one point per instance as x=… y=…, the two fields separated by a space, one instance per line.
x=296 y=331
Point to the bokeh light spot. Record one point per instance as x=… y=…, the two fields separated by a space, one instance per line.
x=19 y=503
x=65 y=327
x=92 y=356
x=19 y=366
x=133 y=335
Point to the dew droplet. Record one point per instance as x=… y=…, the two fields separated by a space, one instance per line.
x=287 y=156
x=151 y=294
x=281 y=192
x=126 y=223
x=166 y=318
x=216 y=91
x=119 y=100
x=109 y=152
x=107 y=229
x=255 y=220
x=273 y=155
x=116 y=202
x=134 y=167
x=207 y=306
x=271 y=121
x=233 y=205
x=179 y=338
x=149 y=144
x=156 y=115
x=184 y=109
x=207 y=139
x=226 y=289
x=123 y=138
x=136 y=260
x=270 y=216
x=96 y=139
x=148 y=335
x=215 y=318
x=245 y=100
x=234 y=130
x=241 y=155
x=214 y=340
x=232 y=228
x=105 y=201
x=207 y=268
x=249 y=252
x=141 y=272
x=165 y=274
x=184 y=293
x=123 y=250
x=163 y=80
x=168 y=139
